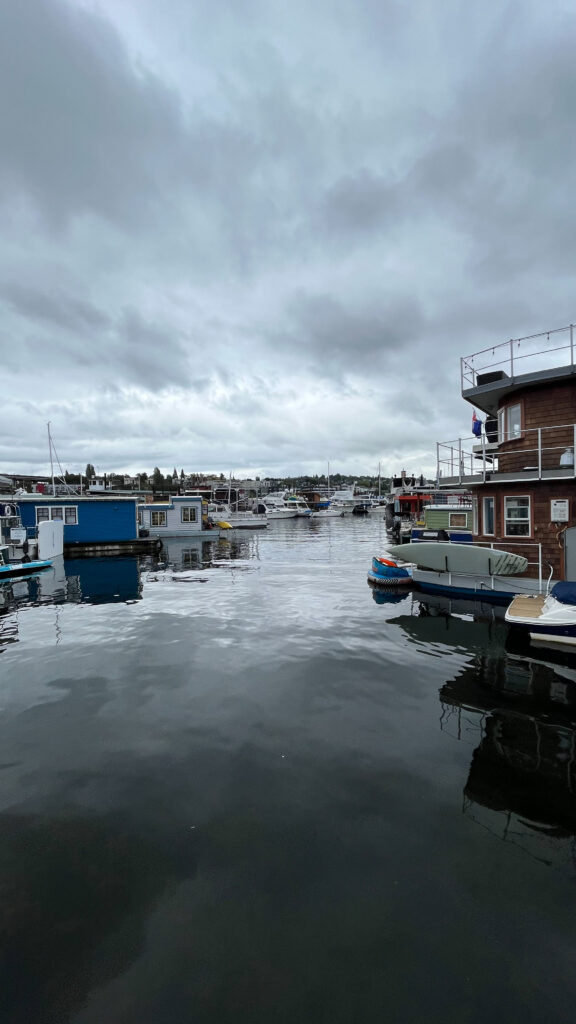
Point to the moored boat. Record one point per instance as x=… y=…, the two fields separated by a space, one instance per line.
x=548 y=618
x=467 y=570
x=27 y=567
x=385 y=572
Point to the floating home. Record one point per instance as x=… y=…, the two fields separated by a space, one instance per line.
x=445 y=522
x=180 y=517
x=521 y=469
x=102 y=522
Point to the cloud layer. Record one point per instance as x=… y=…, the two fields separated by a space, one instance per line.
x=259 y=236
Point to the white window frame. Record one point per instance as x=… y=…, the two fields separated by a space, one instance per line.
x=45 y=513
x=492 y=532
x=475 y=515
x=522 y=519
x=457 y=526
x=161 y=517
x=189 y=514
x=504 y=428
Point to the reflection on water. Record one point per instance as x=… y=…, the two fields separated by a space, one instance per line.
x=520 y=714
x=280 y=795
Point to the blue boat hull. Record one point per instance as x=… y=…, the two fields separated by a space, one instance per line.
x=9 y=572
x=484 y=595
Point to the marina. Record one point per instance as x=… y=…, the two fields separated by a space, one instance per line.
x=245 y=760
x=287 y=513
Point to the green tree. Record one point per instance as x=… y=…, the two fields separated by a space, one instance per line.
x=157 y=478
x=89 y=472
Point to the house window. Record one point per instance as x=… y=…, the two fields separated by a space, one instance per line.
x=188 y=514
x=59 y=513
x=458 y=519
x=488 y=516
x=158 y=518
x=517 y=517
x=509 y=422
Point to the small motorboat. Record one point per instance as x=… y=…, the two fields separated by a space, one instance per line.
x=387 y=573
x=548 y=618
x=27 y=567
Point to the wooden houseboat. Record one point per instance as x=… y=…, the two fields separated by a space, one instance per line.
x=520 y=469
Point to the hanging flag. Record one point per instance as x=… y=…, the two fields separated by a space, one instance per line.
x=476 y=425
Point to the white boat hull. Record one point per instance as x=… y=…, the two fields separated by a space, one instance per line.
x=281 y=513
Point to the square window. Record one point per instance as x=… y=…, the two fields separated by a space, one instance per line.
x=458 y=519
x=57 y=513
x=188 y=514
x=158 y=518
x=42 y=515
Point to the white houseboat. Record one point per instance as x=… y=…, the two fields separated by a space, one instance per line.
x=182 y=516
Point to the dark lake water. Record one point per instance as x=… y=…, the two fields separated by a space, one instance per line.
x=241 y=786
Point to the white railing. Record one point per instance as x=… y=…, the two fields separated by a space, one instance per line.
x=520 y=544
x=474 y=457
x=511 y=356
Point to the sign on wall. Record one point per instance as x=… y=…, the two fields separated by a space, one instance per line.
x=560 y=510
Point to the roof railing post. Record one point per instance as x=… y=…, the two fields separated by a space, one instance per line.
x=571 y=344
x=461 y=373
x=483 y=458
x=539 y=453
x=437 y=460
x=459 y=460
x=511 y=357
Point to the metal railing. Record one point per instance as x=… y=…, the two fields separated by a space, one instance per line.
x=510 y=356
x=474 y=457
x=520 y=544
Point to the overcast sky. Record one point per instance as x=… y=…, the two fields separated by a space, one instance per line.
x=254 y=235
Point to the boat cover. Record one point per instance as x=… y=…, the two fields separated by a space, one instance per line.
x=565 y=592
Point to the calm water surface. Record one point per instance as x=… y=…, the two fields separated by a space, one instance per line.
x=240 y=785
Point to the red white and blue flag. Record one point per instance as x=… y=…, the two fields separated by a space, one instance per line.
x=476 y=425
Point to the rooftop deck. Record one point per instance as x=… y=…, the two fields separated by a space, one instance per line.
x=489 y=374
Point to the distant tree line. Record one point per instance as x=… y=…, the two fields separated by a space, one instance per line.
x=176 y=481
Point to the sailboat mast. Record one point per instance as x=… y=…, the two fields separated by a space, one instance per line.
x=51 y=459
x=378 y=479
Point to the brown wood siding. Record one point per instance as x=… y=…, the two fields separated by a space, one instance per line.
x=548 y=534
x=541 y=407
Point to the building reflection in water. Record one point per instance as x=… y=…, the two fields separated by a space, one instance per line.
x=517 y=707
x=71 y=580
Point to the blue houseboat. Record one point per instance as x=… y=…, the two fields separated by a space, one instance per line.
x=87 y=520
